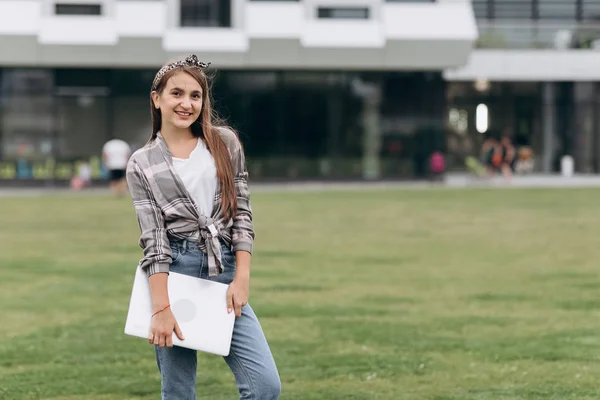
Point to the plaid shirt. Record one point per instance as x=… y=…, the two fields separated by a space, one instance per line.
x=166 y=211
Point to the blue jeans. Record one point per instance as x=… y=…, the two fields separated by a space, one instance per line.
x=250 y=358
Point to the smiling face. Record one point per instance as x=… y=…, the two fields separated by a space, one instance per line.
x=179 y=102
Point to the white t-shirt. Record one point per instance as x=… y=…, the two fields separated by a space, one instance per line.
x=199 y=175
x=117 y=154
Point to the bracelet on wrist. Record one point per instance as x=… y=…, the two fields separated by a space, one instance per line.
x=161 y=310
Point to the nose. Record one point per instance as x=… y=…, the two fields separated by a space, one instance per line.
x=186 y=103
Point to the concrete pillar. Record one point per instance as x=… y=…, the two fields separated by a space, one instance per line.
x=596 y=133
x=582 y=123
x=548 y=125
x=583 y=126
x=372 y=133
x=370 y=92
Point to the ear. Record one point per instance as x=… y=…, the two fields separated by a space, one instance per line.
x=155 y=98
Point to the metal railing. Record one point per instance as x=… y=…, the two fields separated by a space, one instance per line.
x=538 y=35
x=564 y=10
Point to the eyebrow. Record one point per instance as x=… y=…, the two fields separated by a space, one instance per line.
x=181 y=90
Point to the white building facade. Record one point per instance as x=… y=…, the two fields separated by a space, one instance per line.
x=310 y=34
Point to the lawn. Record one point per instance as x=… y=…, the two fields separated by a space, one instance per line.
x=400 y=294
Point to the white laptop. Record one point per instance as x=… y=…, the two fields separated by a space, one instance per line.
x=199 y=305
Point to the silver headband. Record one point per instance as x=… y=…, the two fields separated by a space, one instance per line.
x=190 y=61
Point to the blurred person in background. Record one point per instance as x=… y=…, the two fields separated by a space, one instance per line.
x=508 y=156
x=491 y=154
x=525 y=162
x=190 y=192
x=82 y=177
x=498 y=156
x=437 y=165
x=115 y=155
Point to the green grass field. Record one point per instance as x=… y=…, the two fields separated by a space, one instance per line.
x=414 y=294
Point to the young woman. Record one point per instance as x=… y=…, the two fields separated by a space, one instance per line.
x=189 y=189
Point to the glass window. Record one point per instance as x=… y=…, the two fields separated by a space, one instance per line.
x=78 y=9
x=480 y=8
x=76 y=77
x=343 y=12
x=82 y=103
x=513 y=9
x=27 y=121
x=249 y=102
x=412 y=109
x=131 y=81
x=84 y=123
x=312 y=123
x=129 y=108
x=205 y=13
x=556 y=9
x=293 y=124
x=536 y=9
x=591 y=10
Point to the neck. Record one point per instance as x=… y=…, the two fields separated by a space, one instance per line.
x=174 y=135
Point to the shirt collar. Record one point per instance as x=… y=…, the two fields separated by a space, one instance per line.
x=162 y=144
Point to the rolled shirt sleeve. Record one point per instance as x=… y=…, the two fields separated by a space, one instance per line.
x=153 y=239
x=242 y=229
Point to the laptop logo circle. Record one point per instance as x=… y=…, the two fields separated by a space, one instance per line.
x=184 y=310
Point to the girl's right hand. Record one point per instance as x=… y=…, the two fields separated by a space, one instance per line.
x=162 y=327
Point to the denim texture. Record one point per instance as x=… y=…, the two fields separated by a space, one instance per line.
x=250 y=358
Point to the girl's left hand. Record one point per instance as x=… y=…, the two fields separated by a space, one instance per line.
x=237 y=295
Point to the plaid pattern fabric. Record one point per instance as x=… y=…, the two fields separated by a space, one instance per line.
x=165 y=210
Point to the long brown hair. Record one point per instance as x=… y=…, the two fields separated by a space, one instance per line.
x=206 y=128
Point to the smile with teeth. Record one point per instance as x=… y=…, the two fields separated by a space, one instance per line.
x=183 y=114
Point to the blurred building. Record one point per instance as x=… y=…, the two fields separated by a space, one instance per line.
x=318 y=89
x=533 y=75
x=340 y=89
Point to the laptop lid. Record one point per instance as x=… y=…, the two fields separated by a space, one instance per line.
x=199 y=306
